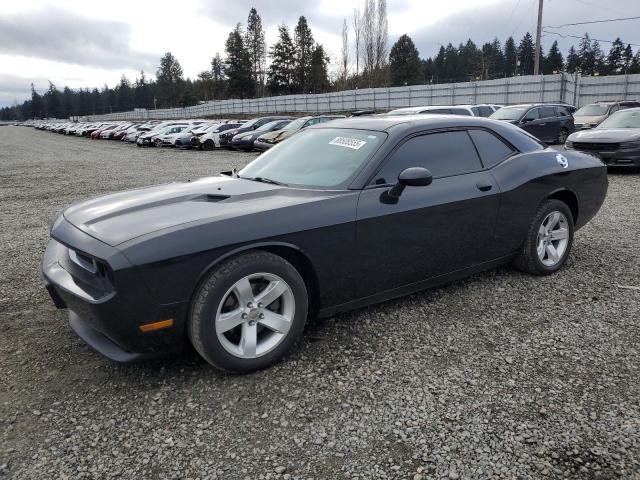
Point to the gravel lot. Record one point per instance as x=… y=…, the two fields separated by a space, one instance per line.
x=502 y=375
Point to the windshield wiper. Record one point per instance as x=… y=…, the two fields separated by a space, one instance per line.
x=265 y=180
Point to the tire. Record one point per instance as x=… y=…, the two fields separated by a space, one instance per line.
x=536 y=256
x=157 y=143
x=562 y=136
x=208 y=145
x=249 y=344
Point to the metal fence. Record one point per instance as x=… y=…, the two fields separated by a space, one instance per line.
x=573 y=89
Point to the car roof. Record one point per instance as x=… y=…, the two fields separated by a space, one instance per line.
x=383 y=123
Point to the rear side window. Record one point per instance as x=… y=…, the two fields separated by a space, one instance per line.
x=547 y=112
x=461 y=111
x=563 y=112
x=443 y=154
x=492 y=150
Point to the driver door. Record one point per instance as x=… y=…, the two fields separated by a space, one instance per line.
x=431 y=230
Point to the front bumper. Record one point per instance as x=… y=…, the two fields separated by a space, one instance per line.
x=243 y=144
x=260 y=145
x=617 y=158
x=107 y=317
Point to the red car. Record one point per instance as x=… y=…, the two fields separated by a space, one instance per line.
x=96 y=134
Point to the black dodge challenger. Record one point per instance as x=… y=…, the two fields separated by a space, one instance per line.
x=339 y=216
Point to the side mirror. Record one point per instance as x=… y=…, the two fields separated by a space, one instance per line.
x=526 y=120
x=411 y=177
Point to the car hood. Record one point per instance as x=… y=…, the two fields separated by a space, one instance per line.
x=589 y=118
x=606 y=135
x=120 y=217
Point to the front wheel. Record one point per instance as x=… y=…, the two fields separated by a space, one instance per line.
x=157 y=142
x=549 y=239
x=248 y=312
x=208 y=145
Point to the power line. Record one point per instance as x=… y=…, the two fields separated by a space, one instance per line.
x=564 y=35
x=584 y=2
x=593 y=21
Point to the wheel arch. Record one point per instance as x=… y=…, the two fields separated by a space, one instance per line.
x=290 y=252
x=570 y=199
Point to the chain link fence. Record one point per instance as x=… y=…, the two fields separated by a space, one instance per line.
x=562 y=87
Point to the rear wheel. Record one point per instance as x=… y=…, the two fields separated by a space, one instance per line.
x=562 y=136
x=248 y=312
x=549 y=239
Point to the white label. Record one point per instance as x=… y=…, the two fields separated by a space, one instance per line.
x=348 y=142
x=562 y=160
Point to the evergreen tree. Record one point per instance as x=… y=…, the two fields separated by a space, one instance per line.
x=428 y=69
x=142 y=97
x=491 y=60
x=304 y=46
x=554 y=61
x=404 y=63
x=615 y=61
x=238 y=66
x=37 y=104
x=510 y=57
x=573 y=61
x=95 y=102
x=450 y=67
x=438 y=65
x=256 y=46
x=124 y=95
x=52 y=102
x=281 y=76
x=627 y=58
x=217 y=76
x=318 y=79
x=585 y=54
x=170 y=81
x=526 y=54
x=599 y=61
x=634 y=66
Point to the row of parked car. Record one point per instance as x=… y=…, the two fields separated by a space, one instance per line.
x=609 y=129
x=256 y=134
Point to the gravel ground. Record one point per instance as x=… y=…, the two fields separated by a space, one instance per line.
x=502 y=375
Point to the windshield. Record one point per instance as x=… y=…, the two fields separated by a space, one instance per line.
x=297 y=124
x=509 y=113
x=268 y=126
x=622 y=119
x=327 y=157
x=592 y=111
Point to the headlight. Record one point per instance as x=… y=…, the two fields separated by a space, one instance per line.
x=568 y=144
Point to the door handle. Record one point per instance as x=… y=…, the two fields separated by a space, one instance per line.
x=484 y=186
x=542 y=124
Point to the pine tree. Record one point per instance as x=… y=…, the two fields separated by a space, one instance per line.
x=510 y=57
x=124 y=99
x=526 y=54
x=615 y=61
x=37 y=104
x=170 y=80
x=573 y=61
x=404 y=63
x=438 y=65
x=627 y=58
x=304 y=46
x=217 y=77
x=599 y=62
x=281 y=75
x=585 y=54
x=318 y=79
x=553 y=62
x=634 y=66
x=238 y=66
x=450 y=67
x=256 y=46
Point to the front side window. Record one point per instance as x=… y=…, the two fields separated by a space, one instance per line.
x=322 y=158
x=443 y=154
x=532 y=114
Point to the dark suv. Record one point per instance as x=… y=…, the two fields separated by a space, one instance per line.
x=551 y=123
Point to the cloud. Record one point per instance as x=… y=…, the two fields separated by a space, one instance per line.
x=483 y=24
x=61 y=35
x=271 y=12
x=16 y=88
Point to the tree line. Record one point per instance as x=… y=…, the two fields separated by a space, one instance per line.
x=298 y=64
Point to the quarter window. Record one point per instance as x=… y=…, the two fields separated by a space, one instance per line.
x=443 y=154
x=492 y=150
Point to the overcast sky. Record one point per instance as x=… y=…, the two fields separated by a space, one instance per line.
x=87 y=44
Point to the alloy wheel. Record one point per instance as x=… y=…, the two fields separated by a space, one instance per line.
x=553 y=238
x=255 y=315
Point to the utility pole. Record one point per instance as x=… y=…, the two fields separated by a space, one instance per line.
x=536 y=65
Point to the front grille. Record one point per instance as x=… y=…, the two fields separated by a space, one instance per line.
x=596 y=147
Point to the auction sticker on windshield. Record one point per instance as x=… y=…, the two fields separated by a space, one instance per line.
x=348 y=142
